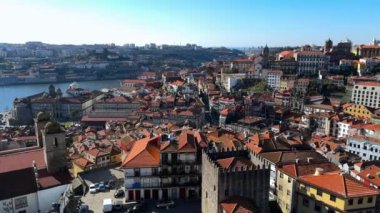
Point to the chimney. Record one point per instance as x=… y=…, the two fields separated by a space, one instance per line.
x=318 y=171
x=309 y=159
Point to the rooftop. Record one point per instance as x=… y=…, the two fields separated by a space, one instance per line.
x=339 y=184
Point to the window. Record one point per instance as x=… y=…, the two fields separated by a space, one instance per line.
x=214 y=188
x=279 y=187
x=289 y=180
x=360 y=201
x=369 y=200
x=55 y=142
x=21 y=202
x=281 y=175
x=319 y=192
x=317 y=207
x=305 y=202
x=288 y=192
x=332 y=198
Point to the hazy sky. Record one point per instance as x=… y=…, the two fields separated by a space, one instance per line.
x=232 y=23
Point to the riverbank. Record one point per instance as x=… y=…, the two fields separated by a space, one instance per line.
x=58 y=82
x=10 y=92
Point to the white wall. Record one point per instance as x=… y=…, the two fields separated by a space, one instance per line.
x=48 y=196
x=31 y=204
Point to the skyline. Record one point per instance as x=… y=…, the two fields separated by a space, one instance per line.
x=208 y=23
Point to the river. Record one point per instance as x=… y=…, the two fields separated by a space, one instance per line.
x=10 y=92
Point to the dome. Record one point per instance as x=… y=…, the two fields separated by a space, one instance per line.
x=52 y=127
x=43 y=116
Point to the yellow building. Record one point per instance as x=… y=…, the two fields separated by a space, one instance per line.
x=357 y=110
x=80 y=165
x=334 y=192
x=287 y=176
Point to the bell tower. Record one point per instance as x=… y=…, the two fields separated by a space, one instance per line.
x=328 y=45
x=39 y=124
x=54 y=144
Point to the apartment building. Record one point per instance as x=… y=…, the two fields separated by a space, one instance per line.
x=274 y=79
x=163 y=167
x=310 y=62
x=367 y=94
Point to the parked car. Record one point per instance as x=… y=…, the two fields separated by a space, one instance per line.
x=165 y=204
x=93 y=188
x=101 y=187
x=107 y=205
x=140 y=206
x=83 y=208
x=119 y=193
x=110 y=184
x=117 y=205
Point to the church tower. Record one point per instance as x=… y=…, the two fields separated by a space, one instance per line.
x=39 y=125
x=54 y=147
x=328 y=45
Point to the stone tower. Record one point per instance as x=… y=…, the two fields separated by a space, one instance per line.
x=54 y=147
x=39 y=124
x=328 y=45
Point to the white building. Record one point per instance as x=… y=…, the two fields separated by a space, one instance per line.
x=367 y=94
x=368 y=148
x=310 y=62
x=274 y=79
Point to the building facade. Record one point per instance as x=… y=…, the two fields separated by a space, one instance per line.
x=367 y=94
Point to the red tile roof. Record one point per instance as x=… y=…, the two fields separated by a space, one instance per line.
x=371 y=174
x=370 y=47
x=22 y=160
x=238 y=204
x=186 y=142
x=144 y=153
x=368 y=83
x=234 y=162
x=339 y=184
x=297 y=170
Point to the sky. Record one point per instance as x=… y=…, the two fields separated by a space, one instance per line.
x=230 y=23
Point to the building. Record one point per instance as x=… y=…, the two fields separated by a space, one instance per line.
x=230 y=174
x=274 y=79
x=368 y=51
x=334 y=192
x=287 y=180
x=367 y=94
x=163 y=167
x=310 y=62
x=368 y=148
x=358 y=110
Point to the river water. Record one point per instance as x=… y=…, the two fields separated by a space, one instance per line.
x=9 y=93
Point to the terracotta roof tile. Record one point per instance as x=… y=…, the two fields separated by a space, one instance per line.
x=339 y=184
x=144 y=153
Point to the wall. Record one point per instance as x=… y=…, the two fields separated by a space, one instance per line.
x=48 y=196
x=31 y=204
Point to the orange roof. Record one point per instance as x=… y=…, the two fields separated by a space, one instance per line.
x=311 y=52
x=225 y=112
x=368 y=83
x=234 y=162
x=238 y=204
x=346 y=105
x=186 y=142
x=339 y=184
x=144 y=153
x=82 y=162
x=297 y=170
x=370 y=47
x=371 y=174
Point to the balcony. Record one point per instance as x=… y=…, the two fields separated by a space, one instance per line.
x=178 y=172
x=177 y=183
